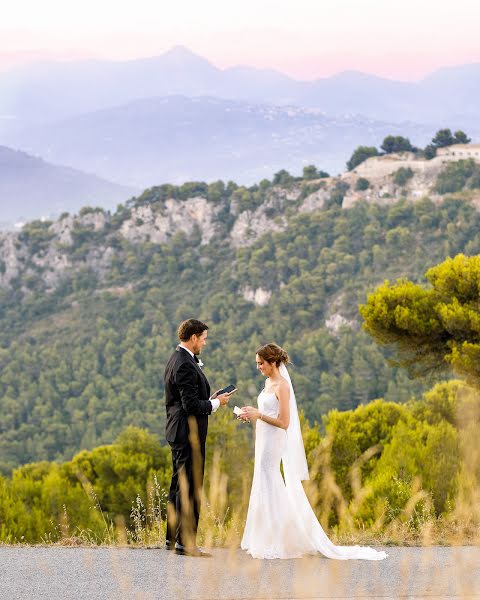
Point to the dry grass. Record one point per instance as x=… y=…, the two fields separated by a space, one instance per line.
x=221 y=525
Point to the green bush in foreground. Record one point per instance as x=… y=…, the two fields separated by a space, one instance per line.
x=369 y=467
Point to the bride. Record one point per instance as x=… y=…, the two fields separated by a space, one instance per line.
x=280 y=521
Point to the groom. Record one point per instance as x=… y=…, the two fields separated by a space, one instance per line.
x=189 y=404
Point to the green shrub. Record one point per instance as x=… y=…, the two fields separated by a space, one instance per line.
x=360 y=155
x=36 y=235
x=401 y=176
x=362 y=184
x=457 y=176
x=89 y=210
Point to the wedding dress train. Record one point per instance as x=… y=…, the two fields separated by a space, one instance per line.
x=280 y=521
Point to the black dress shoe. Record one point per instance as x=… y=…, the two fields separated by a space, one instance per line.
x=196 y=552
x=169 y=545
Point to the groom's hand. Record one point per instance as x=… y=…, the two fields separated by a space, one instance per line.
x=223 y=398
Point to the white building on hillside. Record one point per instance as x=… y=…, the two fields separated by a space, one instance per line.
x=460 y=151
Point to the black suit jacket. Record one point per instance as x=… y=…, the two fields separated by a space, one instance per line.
x=187 y=394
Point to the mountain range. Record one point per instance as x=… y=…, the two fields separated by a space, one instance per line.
x=177 y=117
x=33 y=188
x=50 y=91
x=174 y=139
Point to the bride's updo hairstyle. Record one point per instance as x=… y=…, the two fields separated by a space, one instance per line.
x=273 y=354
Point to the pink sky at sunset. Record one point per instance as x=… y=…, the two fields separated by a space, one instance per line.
x=305 y=39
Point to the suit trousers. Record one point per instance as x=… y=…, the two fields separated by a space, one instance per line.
x=184 y=497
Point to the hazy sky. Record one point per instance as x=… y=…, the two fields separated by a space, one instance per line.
x=305 y=38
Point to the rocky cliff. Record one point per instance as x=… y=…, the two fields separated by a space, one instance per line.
x=45 y=251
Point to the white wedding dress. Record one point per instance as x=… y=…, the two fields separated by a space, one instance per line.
x=280 y=521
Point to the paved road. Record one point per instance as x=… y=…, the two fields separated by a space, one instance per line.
x=129 y=574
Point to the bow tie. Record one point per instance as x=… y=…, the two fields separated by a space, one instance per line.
x=195 y=358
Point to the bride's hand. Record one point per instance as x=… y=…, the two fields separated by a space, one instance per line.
x=249 y=413
x=243 y=415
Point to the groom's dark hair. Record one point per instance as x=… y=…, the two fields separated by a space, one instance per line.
x=190 y=327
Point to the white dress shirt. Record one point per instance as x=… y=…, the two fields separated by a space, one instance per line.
x=215 y=401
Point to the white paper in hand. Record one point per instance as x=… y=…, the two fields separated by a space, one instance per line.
x=237 y=411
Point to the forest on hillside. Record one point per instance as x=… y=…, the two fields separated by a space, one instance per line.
x=81 y=363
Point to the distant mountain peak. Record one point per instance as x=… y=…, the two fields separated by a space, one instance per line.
x=180 y=50
x=183 y=55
